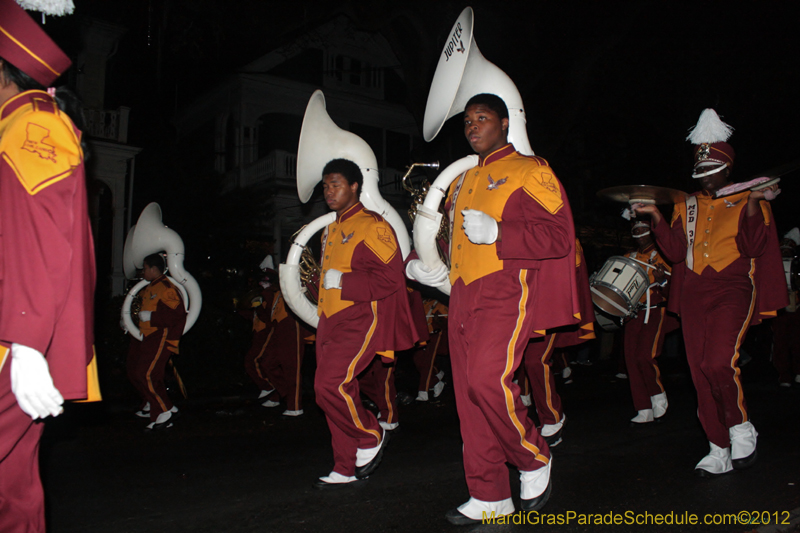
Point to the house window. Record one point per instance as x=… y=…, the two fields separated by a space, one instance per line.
x=278 y=131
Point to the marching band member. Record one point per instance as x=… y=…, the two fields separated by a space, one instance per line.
x=274 y=360
x=539 y=353
x=377 y=383
x=727 y=275
x=161 y=321
x=47 y=268
x=430 y=377
x=786 y=326
x=512 y=256
x=643 y=341
x=363 y=310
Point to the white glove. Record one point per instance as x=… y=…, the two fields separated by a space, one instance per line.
x=144 y=316
x=333 y=279
x=419 y=271
x=479 y=227
x=32 y=384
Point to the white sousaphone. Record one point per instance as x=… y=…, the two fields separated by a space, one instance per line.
x=150 y=236
x=462 y=72
x=321 y=141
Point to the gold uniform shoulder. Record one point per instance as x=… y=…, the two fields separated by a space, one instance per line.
x=379 y=236
x=41 y=148
x=542 y=185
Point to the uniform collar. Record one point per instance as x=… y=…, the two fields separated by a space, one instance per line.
x=21 y=99
x=498 y=154
x=355 y=208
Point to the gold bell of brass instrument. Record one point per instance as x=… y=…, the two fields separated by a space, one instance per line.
x=310 y=272
x=418 y=198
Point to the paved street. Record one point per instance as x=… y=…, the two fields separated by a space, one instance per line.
x=230 y=465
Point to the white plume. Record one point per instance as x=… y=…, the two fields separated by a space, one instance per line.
x=49 y=7
x=709 y=129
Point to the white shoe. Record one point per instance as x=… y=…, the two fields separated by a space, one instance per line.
x=162 y=421
x=621 y=375
x=440 y=375
x=549 y=430
x=265 y=393
x=292 y=413
x=551 y=433
x=743 y=444
x=388 y=426
x=173 y=410
x=438 y=388
x=365 y=455
x=335 y=478
x=422 y=396
x=144 y=412
x=533 y=484
x=474 y=508
x=526 y=400
x=644 y=416
x=270 y=403
x=566 y=373
x=718 y=461
x=787 y=385
x=797 y=378
x=660 y=404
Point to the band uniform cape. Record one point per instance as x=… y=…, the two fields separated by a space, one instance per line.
x=768 y=276
x=583 y=331
x=363 y=246
x=47 y=269
x=527 y=233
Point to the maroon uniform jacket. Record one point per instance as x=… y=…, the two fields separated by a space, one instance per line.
x=47 y=269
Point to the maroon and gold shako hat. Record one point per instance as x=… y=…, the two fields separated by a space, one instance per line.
x=24 y=44
x=712 y=153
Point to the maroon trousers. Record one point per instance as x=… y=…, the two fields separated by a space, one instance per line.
x=715 y=320
x=275 y=361
x=346 y=347
x=425 y=361
x=642 y=344
x=539 y=368
x=377 y=382
x=147 y=361
x=21 y=493
x=489 y=328
x=255 y=356
x=786 y=347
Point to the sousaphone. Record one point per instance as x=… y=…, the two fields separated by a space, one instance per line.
x=321 y=141
x=462 y=72
x=150 y=236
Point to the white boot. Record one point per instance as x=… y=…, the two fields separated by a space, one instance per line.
x=660 y=404
x=535 y=487
x=526 y=399
x=474 y=510
x=743 y=444
x=718 y=461
x=644 y=416
x=551 y=433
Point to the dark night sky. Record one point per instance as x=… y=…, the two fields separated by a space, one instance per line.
x=610 y=88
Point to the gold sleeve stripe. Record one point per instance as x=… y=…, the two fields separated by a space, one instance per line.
x=3 y=355
x=92 y=381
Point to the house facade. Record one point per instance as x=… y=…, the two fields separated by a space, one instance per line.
x=246 y=129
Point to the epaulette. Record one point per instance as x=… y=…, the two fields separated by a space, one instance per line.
x=541 y=161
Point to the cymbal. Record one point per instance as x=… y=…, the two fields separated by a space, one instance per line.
x=645 y=194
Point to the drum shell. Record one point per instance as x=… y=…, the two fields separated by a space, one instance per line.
x=618 y=287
